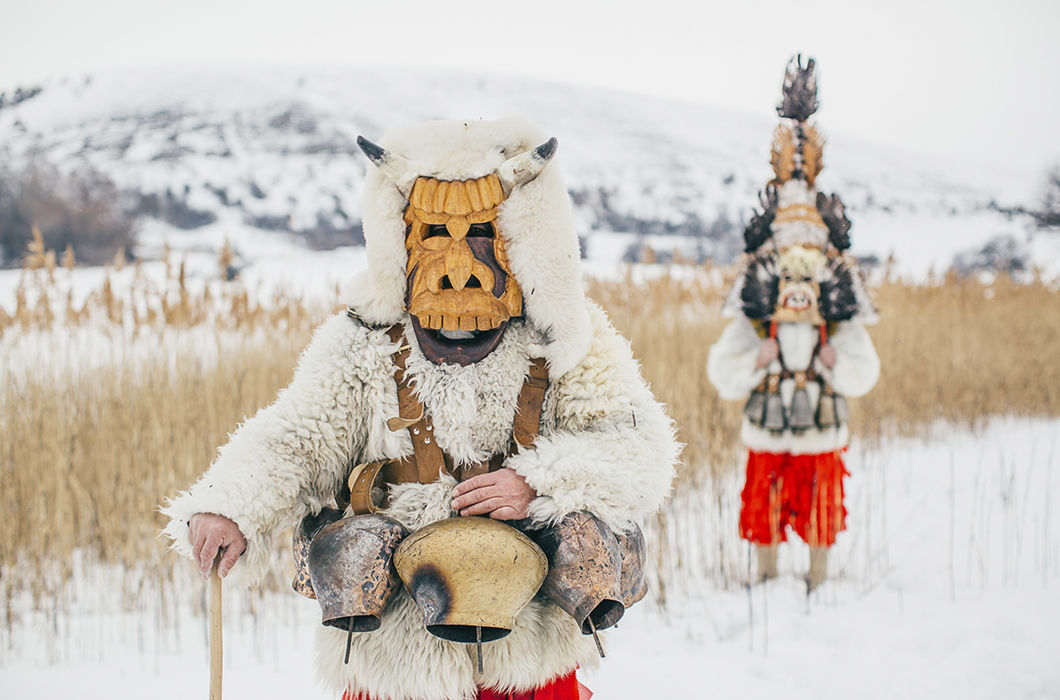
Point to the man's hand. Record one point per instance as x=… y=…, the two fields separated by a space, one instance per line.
x=209 y=533
x=826 y=354
x=503 y=494
x=769 y=351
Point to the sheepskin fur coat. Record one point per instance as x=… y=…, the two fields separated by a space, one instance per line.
x=731 y=369
x=606 y=446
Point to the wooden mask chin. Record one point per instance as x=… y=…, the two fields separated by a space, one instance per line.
x=460 y=291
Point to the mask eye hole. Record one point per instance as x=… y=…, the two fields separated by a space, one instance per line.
x=435 y=230
x=807 y=279
x=480 y=230
x=787 y=277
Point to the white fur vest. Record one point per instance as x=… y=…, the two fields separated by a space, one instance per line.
x=289 y=459
x=731 y=369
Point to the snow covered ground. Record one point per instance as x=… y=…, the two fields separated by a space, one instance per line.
x=945 y=586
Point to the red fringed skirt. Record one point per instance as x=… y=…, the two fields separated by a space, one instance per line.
x=804 y=492
x=562 y=688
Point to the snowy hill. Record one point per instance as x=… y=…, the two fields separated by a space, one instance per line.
x=209 y=153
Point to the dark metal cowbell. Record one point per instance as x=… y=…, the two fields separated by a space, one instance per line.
x=352 y=571
x=585 y=570
x=842 y=411
x=634 y=584
x=303 y=536
x=826 y=417
x=755 y=408
x=774 y=420
x=801 y=413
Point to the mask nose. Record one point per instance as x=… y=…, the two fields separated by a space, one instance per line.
x=458 y=262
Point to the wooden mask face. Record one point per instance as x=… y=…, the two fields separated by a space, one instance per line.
x=799 y=288
x=460 y=291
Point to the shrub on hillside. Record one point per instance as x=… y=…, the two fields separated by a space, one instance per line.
x=82 y=209
x=1049 y=214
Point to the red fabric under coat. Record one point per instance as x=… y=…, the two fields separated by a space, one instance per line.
x=562 y=688
x=804 y=492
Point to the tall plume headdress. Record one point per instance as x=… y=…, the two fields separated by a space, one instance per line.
x=794 y=213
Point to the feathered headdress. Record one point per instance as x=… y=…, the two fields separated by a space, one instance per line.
x=794 y=213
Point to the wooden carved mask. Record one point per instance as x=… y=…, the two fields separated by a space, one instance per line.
x=460 y=291
x=799 y=287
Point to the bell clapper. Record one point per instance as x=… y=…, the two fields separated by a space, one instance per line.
x=596 y=638
x=349 y=641
x=478 y=647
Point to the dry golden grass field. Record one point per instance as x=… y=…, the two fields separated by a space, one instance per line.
x=88 y=456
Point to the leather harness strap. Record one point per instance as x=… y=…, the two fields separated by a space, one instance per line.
x=367 y=482
x=429 y=458
x=528 y=408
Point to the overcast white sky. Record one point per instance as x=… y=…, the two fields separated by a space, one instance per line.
x=938 y=76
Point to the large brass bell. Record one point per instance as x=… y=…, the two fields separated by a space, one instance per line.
x=470 y=576
x=350 y=566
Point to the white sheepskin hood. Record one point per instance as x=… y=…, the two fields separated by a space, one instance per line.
x=535 y=219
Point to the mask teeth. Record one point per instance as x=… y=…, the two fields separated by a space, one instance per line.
x=459 y=323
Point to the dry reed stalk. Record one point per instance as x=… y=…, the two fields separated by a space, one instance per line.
x=85 y=462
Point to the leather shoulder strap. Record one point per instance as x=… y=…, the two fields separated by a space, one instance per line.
x=428 y=456
x=527 y=422
x=430 y=459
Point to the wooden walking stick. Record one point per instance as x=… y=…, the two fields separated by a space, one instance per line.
x=214 y=604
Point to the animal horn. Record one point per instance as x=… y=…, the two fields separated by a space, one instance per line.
x=521 y=169
x=393 y=166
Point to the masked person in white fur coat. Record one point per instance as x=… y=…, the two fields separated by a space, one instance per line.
x=474 y=271
x=798 y=346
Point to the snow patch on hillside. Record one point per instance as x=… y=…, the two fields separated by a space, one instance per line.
x=215 y=151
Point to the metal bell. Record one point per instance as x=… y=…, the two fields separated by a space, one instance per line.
x=826 y=417
x=774 y=415
x=842 y=411
x=755 y=407
x=470 y=576
x=352 y=572
x=585 y=570
x=634 y=585
x=303 y=535
x=801 y=413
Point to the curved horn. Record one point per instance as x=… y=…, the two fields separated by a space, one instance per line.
x=393 y=166
x=521 y=169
